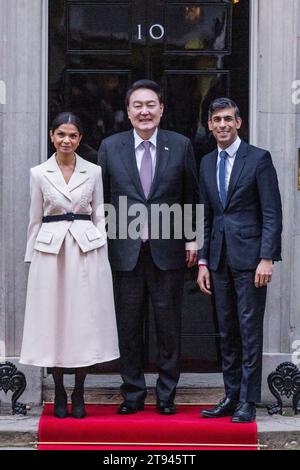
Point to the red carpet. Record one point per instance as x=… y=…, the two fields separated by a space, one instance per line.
x=104 y=429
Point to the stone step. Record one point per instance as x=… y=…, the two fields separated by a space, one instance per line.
x=192 y=388
x=110 y=395
x=21 y=432
x=274 y=432
x=18 y=432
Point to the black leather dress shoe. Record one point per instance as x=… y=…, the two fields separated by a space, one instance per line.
x=166 y=408
x=245 y=413
x=129 y=408
x=225 y=407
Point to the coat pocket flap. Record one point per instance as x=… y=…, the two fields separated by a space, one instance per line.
x=93 y=234
x=44 y=237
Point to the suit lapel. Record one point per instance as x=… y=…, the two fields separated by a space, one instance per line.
x=162 y=158
x=55 y=177
x=212 y=179
x=80 y=174
x=128 y=159
x=238 y=166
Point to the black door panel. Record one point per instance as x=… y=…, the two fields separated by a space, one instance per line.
x=197 y=50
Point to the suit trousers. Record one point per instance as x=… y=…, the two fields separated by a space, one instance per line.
x=132 y=292
x=240 y=310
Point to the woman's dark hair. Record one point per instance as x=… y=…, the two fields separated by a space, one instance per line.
x=148 y=84
x=67 y=118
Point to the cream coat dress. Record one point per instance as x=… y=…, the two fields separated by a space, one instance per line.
x=70 y=314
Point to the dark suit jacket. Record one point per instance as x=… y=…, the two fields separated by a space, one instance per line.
x=251 y=221
x=175 y=181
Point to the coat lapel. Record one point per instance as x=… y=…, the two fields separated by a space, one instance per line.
x=212 y=179
x=55 y=177
x=162 y=157
x=238 y=166
x=129 y=161
x=80 y=174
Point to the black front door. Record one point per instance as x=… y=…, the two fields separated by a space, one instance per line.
x=197 y=50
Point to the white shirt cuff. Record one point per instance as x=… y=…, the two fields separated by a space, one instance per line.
x=203 y=261
x=191 y=246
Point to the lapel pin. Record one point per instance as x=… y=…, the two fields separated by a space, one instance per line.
x=166 y=148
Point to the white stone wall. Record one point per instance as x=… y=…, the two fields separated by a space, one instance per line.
x=295 y=286
x=21 y=121
x=276 y=62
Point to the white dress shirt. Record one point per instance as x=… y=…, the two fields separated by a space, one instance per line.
x=231 y=151
x=140 y=149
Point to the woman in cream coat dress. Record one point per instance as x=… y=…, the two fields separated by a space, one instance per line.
x=70 y=315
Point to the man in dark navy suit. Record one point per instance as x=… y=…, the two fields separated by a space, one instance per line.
x=149 y=166
x=242 y=239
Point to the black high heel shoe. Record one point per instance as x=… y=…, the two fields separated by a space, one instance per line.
x=78 y=407
x=61 y=405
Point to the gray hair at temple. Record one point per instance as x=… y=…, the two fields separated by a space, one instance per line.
x=222 y=103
